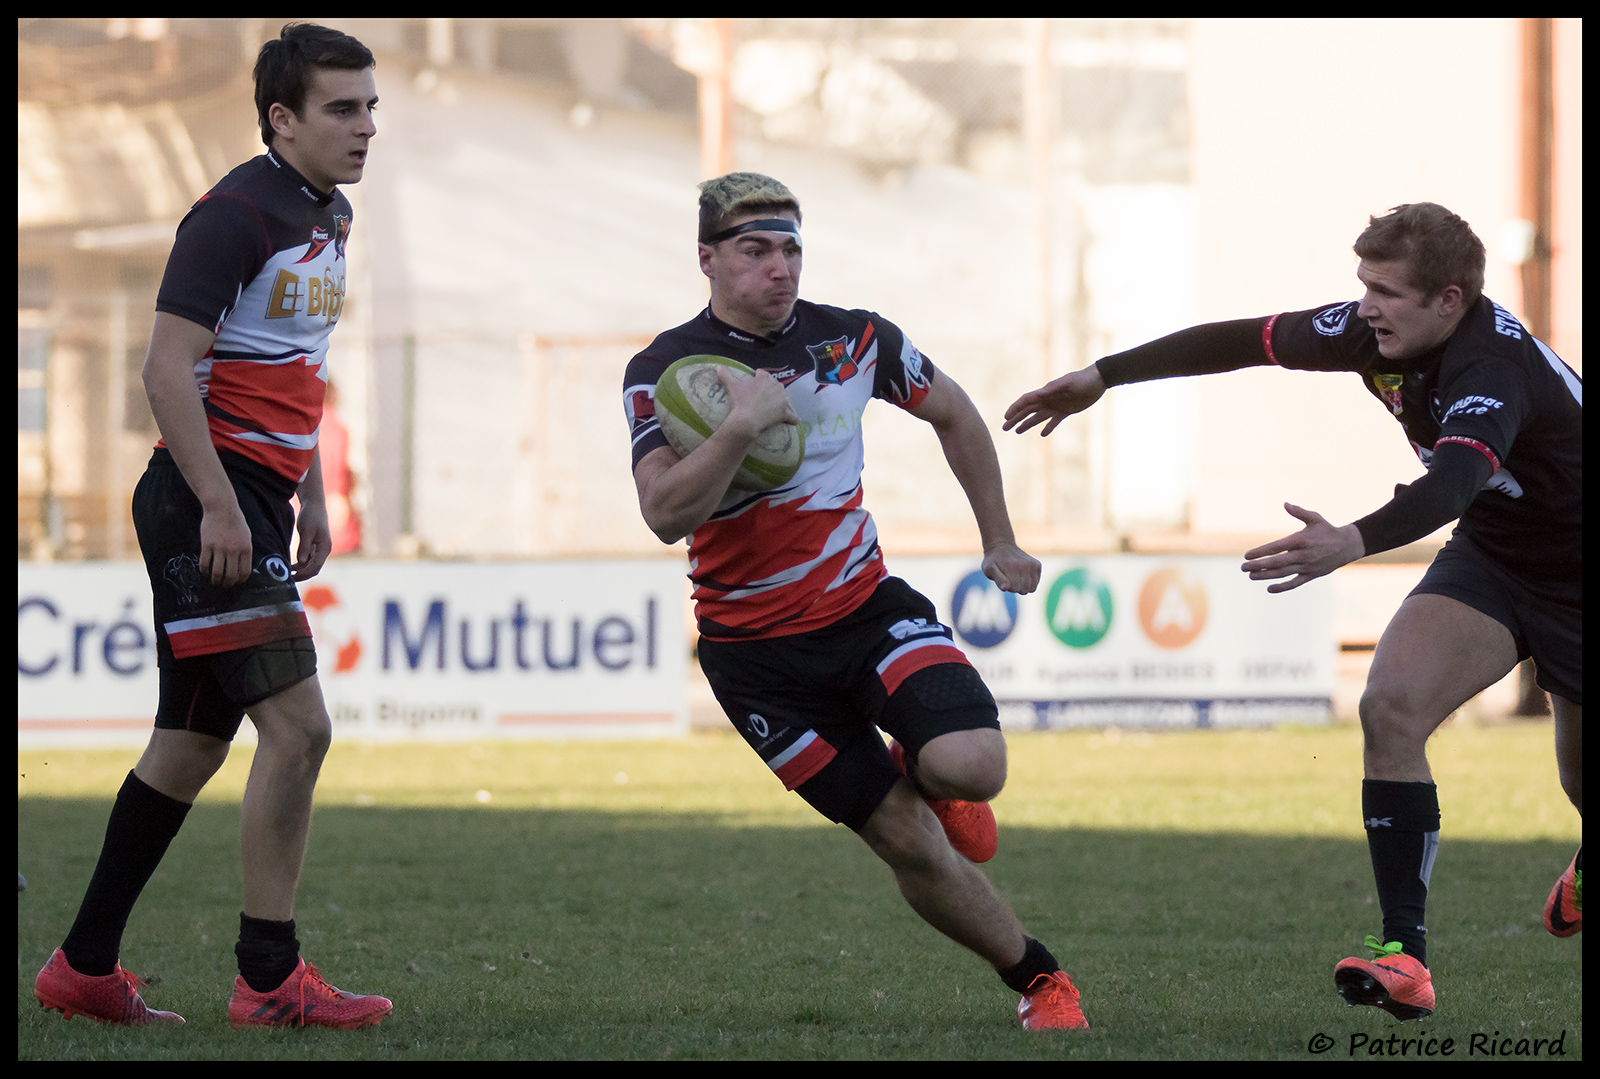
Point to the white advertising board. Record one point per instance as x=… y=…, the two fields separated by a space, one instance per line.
x=1138 y=640
x=430 y=650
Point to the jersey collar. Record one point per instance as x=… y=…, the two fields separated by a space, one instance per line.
x=727 y=330
x=291 y=174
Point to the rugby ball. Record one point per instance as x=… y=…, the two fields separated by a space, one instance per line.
x=691 y=403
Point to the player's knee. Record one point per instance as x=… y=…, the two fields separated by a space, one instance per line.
x=1386 y=714
x=970 y=765
x=965 y=757
x=180 y=763
x=310 y=738
x=299 y=735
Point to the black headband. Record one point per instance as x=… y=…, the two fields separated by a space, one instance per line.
x=767 y=224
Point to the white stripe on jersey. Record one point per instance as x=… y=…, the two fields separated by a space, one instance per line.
x=838 y=540
x=1574 y=385
x=278 y=438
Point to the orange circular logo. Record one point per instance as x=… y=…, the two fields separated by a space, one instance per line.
x=1172 y=607
x=323 y=606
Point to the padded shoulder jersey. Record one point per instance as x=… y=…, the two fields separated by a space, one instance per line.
x=787 y=561
x=260 y=259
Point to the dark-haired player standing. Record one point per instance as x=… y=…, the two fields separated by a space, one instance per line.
x=1497 y=420
x=235 y=377
x=808 y=643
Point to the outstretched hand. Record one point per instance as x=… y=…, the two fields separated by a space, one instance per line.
x=1315 y=551
x=1055 y=401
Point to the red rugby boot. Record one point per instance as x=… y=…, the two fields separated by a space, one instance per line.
x=109 y=998
x=304 y=1000
x=1052 y=1004
x=969 y=826
x=1563 y=911
x=1391 y=980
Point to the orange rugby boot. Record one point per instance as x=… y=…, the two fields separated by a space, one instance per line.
x=1391 y=980
x=1563 y=911
x=109 y=998
x=969 y=826
x=304 y=1000
x=1051 y=1003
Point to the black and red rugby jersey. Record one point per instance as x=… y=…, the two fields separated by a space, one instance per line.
x=787 y=561
x=261 y=260
x=1492 y=386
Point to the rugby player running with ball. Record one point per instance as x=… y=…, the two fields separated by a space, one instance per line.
x=808 y=643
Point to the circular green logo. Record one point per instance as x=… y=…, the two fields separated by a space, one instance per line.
x=1078 y=608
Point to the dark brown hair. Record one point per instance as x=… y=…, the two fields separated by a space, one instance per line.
x=284 y=66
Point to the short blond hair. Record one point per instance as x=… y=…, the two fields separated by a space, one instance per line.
x=741 y=193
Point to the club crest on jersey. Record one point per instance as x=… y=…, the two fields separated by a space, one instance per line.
x=834 y=364
x=1332 y=321
x=1388 y=387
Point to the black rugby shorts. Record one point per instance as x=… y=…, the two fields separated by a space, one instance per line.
x=220 y=650
x=1545 y=617
x=810 y=703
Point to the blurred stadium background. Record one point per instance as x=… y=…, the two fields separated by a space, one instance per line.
x=1022 y=195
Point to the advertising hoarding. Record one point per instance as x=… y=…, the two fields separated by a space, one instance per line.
x=451 y=651
x=1139 y=640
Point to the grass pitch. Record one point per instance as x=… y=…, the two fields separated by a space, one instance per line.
x=669 y=901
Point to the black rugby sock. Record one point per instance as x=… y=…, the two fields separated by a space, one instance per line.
x=267 y=951
x=1035 y=961
x=142 y=825
x=1402 y=823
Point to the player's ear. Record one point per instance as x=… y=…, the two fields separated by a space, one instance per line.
x=706 y=253
x=278 y=116
x=1449 y=301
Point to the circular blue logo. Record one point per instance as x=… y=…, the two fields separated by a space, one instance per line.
x=983 y=614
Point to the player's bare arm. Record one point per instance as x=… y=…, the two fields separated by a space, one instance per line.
x=1055 y=401
x=970 y=453
x=1315 y=551
x=176 y=346
x=311 y=523
x=679 y=494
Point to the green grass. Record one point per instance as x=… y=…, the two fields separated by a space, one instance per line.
x=669 y=900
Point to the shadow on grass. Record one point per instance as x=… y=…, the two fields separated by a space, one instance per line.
x=573 y=934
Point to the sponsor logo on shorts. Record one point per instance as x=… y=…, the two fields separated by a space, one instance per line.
x=182 y=572
x=275 y=567
x=915 y=627
x=1379 y=822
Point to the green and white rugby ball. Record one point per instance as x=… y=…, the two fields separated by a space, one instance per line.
x=691 y=403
